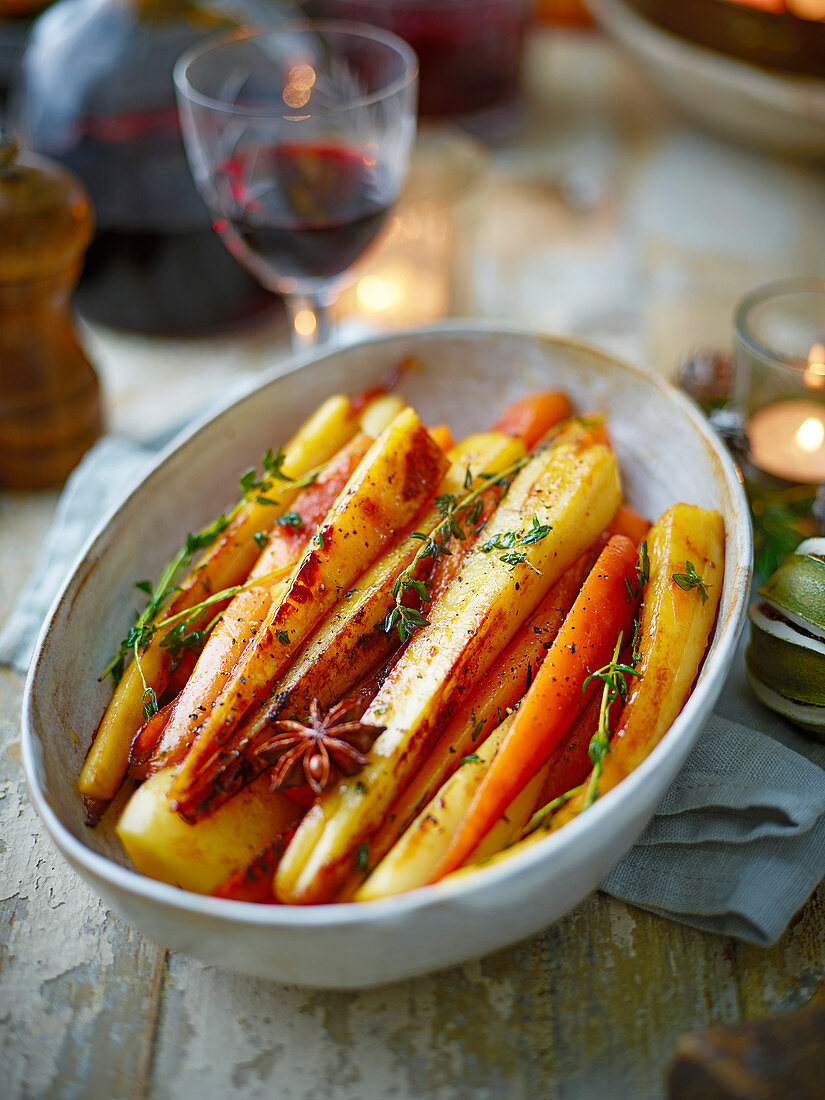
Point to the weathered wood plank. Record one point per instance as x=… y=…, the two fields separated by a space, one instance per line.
x=77 y=988
x=591 y=1006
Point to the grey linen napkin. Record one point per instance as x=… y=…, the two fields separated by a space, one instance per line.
x=738 y=842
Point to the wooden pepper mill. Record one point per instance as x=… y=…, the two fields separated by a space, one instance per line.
x=49 y=394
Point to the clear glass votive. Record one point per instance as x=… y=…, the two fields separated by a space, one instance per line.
x=779 y=332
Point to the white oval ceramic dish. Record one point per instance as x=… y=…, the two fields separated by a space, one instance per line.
x=464 y=374
x=779 y=112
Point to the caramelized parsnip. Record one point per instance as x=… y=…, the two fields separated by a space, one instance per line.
x=227 y=562
x=393 y=483
x=572 y=491
x=674 y=630
x=199 y=857
x=412 y=861
x=350 y=627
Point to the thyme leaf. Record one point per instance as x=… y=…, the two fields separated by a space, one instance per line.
x=691 y=579
x=290 y=519
x=454 y=511
x=614 y=676
x=642 y=574
x=362 y=857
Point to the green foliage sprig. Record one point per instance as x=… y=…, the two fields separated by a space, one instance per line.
x=460 y=517
x=691 y=579
x=614 y=677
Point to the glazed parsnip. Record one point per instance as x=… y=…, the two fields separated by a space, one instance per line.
x=319 y=671
x=227 y=562
x=198 y=857
x=412 y=861
x=675 y=626
x=393 y=483
x=267 y=582
x=481 y=710
x=575 y=491
x=379 y=412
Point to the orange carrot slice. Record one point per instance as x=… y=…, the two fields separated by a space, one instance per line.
x=570 y=763
x=443 y=436
x=629 y=522
x=558 y=694
x=533 y=416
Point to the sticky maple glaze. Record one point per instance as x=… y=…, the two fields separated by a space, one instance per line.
x=329 y=566
x=174 y=737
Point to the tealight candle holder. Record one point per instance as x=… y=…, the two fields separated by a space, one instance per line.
x=780 y=379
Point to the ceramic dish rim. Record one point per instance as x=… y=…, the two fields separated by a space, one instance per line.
x=748 y=78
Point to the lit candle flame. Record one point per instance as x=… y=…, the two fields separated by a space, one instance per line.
x=810 y=435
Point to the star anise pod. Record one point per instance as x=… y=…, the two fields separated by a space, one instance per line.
x=311 y=752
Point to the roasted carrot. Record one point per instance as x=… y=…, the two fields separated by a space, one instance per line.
x=146 y=741
x=569 y=763
x=630 y=523
x=443 y=436
x=533 y=416
x=585 y=642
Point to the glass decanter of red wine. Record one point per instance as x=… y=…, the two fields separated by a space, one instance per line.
x=299 y=140
x=95 y=92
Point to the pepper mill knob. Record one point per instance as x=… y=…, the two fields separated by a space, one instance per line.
x=49 y=393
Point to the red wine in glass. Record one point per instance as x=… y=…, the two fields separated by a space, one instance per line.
x=301 y=212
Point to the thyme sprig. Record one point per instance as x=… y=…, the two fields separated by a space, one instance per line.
x=642 y=574
x=162 y=589
x=614 y=676
x=178 y=636
x=455 y=512
x=253 y=489
x=691 y=579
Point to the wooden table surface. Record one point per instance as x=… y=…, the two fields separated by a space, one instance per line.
x=607 y=217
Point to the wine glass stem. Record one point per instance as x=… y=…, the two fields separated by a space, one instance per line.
x=310 y=319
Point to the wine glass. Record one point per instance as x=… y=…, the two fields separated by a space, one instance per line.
x=299 y=140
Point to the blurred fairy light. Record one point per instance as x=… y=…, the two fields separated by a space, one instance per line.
x=299 y=85
x=377 y=293
x=305 y=322
x=810 y=434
